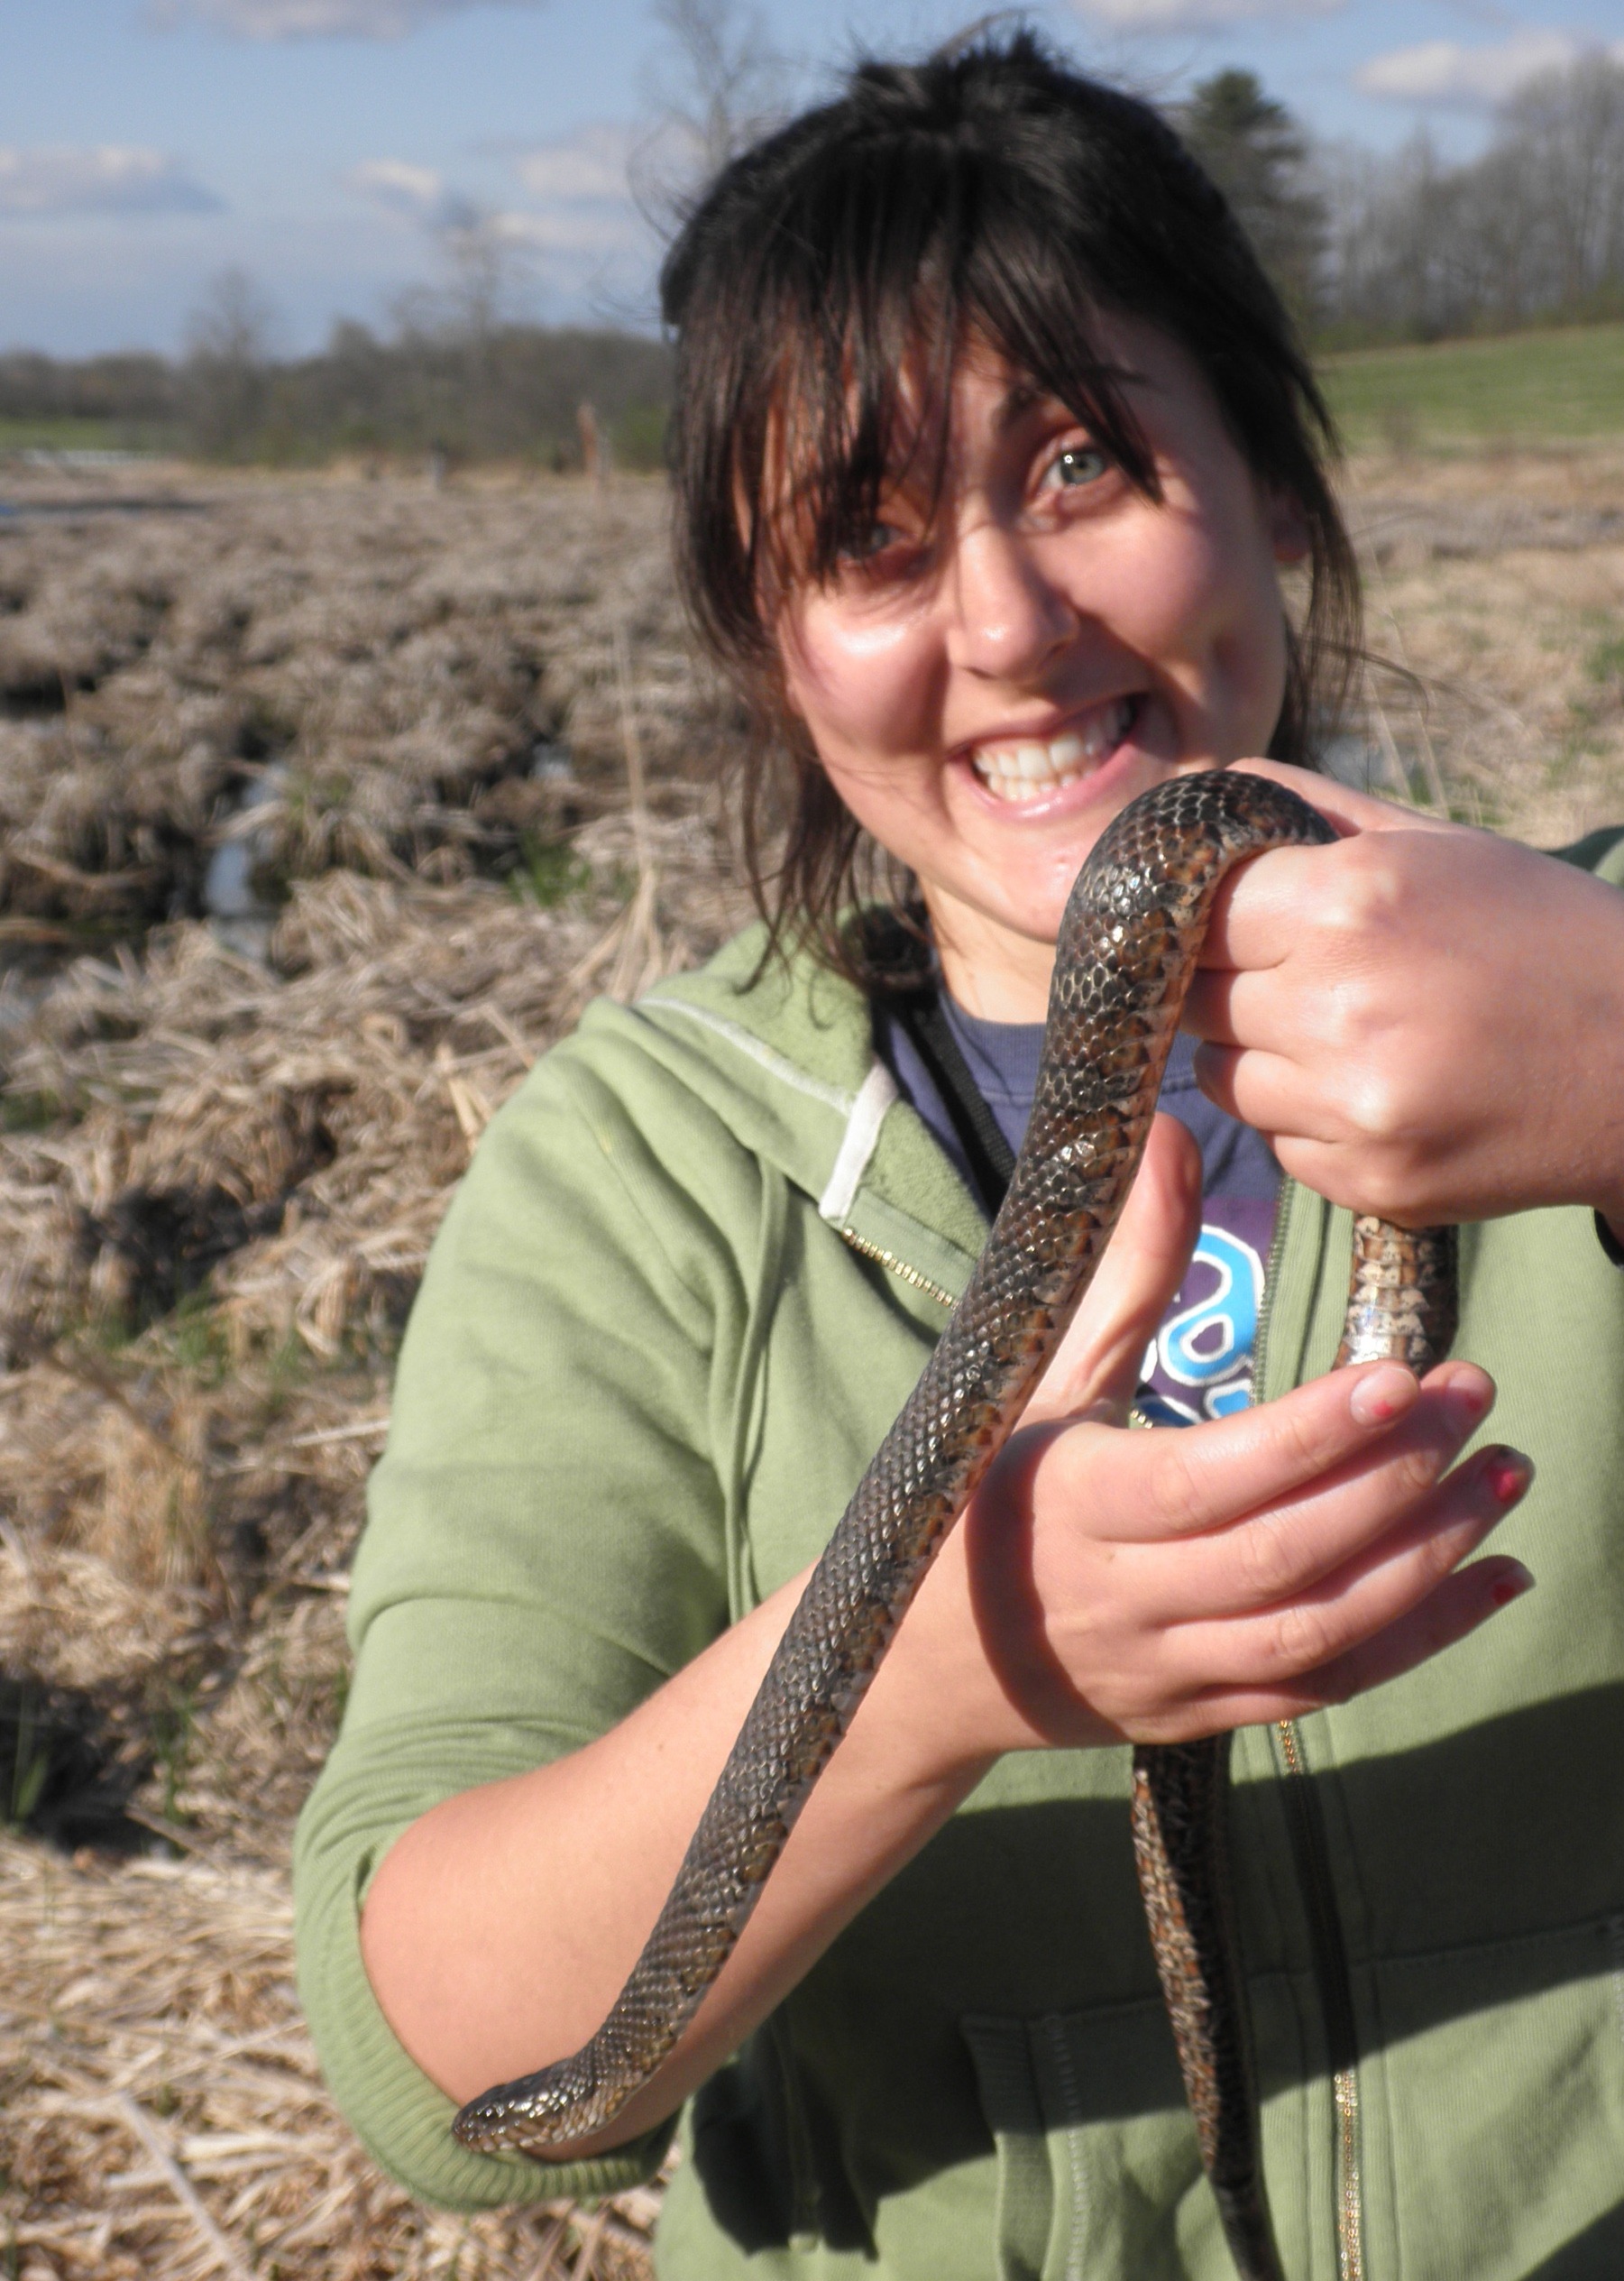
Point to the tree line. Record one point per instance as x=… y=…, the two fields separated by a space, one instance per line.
x=1365 y=251
x=445 y=391
x=1408 y=247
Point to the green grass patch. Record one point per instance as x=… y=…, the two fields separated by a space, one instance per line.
x=29 y=1112
x=1528 y=387
x=549 y=872
x=197 y=1337
x=71 y=435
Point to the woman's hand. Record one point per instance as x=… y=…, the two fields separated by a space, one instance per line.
x=1424 y=1020
x=1158 y=1586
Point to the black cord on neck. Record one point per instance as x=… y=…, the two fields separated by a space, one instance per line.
x=992 y=1160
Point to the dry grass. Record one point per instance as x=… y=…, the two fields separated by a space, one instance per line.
x=218 y=1187
x=219 y=1177
x=172 y=2121
x=1495 y=590
x=396 y=654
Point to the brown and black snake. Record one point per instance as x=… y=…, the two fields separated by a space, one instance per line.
x=1127 y=949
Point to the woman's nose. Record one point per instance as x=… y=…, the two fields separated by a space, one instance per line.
x=1010 y=619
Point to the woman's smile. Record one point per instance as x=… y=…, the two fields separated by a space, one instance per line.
x=998 y=671
x=1030 y=767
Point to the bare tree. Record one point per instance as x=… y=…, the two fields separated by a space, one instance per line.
x=227 y=372
x=714 y=84
x=1566 y=130
x=485 y=270
x=1532 y=230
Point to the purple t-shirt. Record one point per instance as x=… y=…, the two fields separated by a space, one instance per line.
x=1200 y=1363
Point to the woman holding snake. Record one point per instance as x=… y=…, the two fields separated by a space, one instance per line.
x=992 y=445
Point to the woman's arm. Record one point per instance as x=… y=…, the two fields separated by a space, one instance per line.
x=1426 y=1021
x=1104 y=1585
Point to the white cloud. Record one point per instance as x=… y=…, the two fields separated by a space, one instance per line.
x=572 y=230
x=315 y=19
x=402 y=188
x=581 y=188
x=590 y=164
x=1196 y=15
x=582 y=203
x=574 y=225
x=1444 y=71
x=111 y=178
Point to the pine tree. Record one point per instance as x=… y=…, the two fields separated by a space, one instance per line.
x=1258 y=156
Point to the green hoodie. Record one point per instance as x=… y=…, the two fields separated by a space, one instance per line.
x=696 y=1266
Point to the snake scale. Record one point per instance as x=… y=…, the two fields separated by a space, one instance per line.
x=1127 y=949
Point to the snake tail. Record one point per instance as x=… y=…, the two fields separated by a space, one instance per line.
x=1180 y=1799
x=1402 y=1307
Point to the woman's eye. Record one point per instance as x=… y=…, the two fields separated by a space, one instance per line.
x=878 y=540
x=884 y=555
x=1077 y=463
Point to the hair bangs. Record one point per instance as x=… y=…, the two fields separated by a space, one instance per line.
x=926 y=255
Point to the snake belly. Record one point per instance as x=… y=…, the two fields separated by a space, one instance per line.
x=1126 y=952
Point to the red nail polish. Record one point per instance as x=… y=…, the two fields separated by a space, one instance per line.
x=1508 y=1477
x=1511 y=1586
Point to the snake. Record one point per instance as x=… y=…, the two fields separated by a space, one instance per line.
x=1126 y=952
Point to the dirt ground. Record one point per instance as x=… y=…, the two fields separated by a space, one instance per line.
x=442 y=765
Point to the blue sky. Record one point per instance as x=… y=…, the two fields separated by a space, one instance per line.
x=332 y=149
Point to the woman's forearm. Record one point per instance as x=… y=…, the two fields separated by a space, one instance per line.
x=500 y=1928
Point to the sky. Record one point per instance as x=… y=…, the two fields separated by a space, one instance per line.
x=344 y=155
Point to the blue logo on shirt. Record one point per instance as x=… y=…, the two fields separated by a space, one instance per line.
x=1206 y=1345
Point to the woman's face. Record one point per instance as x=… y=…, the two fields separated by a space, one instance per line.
x=985 y=689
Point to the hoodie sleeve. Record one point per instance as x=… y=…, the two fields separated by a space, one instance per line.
x=547 y=1543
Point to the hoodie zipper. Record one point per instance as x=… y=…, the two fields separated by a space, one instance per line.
x=1312 y=1859
x=1336 y=1997
x=861 y=1245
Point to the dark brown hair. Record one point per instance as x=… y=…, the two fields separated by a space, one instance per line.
x=986 y=192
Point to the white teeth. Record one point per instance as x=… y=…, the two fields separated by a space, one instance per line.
x=1022 y=772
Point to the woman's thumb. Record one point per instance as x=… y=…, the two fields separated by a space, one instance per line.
x=1100 y=1356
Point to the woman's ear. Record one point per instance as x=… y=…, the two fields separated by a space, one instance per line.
x=1287 y=530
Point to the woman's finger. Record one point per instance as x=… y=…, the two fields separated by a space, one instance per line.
x=1271 y=1093
x=1202 y=1477
x=1453 y=1610
x=1459 y=1605
x=1466 y=1598
x=1098 y=1363
x=1341 y=805
x=1228 y=1006
x=1322 y=1538
x=1308 y=1631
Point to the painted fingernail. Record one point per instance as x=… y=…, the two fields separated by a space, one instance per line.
x=1472 y=1398
x=1511 y=1585
x=1507 y=1473
x=1384 y=1394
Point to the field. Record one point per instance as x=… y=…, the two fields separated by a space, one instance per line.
x=442 y=763
x=73 y=434
x=1527 y=389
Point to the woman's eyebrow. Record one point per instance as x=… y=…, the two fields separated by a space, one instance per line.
x=1018 y=401
x=1022 y=396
